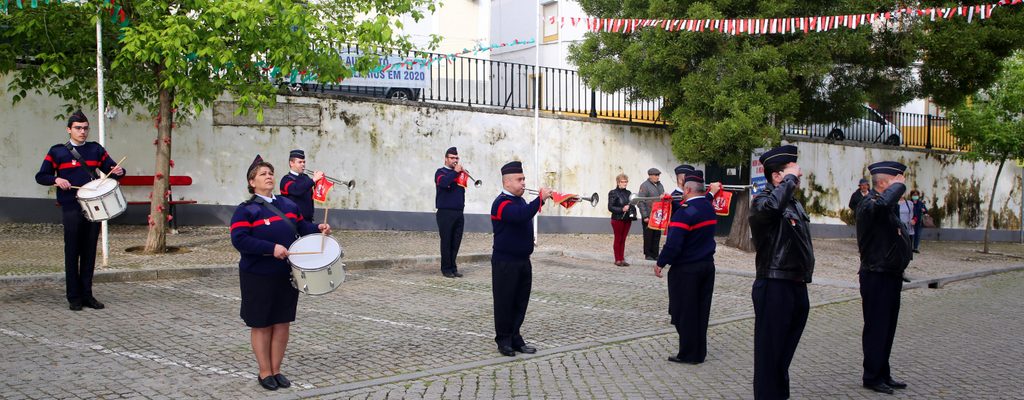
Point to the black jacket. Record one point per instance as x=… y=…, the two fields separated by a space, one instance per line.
x=782 y=236
x=618 y=198
x=882 y=238
x=855 y=199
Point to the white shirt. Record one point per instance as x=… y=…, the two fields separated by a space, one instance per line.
x=73 y=143
x=267 y=199
x=293 y=172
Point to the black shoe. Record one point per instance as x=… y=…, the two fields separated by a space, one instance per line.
x=916 y=251
x=457 y=274
x=895 y=384
x=268 y=383
x=649 y=258
x=94 y=304
x=75 y=306
x=880 y=388
x=448 y=275
x=677 y=360
x=282 y=382
x=506 y=351
x=526 y=349
x=906 y=279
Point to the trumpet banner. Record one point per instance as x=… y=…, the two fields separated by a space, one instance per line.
x=721 y=202
x=565 y=200
x=320 y=190
x=661 y=213
x=462 y=179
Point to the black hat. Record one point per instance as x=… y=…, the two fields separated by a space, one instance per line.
x=779 y=155
x=684 y=169
x=255 y=161
x=862 y=182
x=694 y=176
x=887 y=167
x=653 y=171
x=514 y=167
x=452 y=151
x=297 y=154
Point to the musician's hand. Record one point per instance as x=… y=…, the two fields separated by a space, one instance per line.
x=645 y=219
x=324 y=229
x=657 y=271
x=318 y=175
x=280 y=252
x=118 y=170
x=899 y=179
x=792 y=169
x=714 y=187
x=62 y=183
x=458 y=167
x=545 y=193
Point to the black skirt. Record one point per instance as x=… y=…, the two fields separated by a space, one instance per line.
x=267 y=300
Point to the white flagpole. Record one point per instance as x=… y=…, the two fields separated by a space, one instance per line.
x=100 y=117
x=536 y=109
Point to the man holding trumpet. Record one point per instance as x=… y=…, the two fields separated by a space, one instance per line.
x=450 y=201
x=511 y=271
x=297 y=186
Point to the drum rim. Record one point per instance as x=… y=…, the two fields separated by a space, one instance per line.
x=341 y=254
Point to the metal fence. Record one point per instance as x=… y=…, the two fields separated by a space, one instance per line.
x=894 y=129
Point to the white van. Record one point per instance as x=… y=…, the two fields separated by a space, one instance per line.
x=870 y=127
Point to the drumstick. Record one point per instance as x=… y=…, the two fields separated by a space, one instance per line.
x=323 y=238
x=304 y=253
x=115 y=167
x=71 y=187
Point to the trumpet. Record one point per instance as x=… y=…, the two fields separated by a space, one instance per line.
x=633 y=198
x=476 y=182
x=349 y=184
x=593 y=198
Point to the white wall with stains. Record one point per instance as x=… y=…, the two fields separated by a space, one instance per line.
x=392 y=150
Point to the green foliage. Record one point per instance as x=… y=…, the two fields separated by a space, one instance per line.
x=197 y=49
x=726 y=95
x=992 y=125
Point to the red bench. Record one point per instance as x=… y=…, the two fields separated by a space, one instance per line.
x=147 y=180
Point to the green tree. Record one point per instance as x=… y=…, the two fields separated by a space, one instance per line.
x=174 y=58
x=726 y=95
x=992 y=126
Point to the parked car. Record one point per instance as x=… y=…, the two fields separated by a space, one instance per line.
x=870 y=127
x=397 y=93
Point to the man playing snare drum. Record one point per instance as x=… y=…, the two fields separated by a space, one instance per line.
x=68 y=166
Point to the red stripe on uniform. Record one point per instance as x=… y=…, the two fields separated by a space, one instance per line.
x=293 y=216
x=240 y=224
x=50 y=159
x=438 y=179
x=703 y=224
x=105 y=157
x=76 y=165
x=500 y=208
x=284 y=190
x=696 y=226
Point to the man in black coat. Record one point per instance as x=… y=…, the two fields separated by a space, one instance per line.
x=885 y=251
x=785 y=263
x=860 y=194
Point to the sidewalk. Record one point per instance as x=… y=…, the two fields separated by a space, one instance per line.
x=37 y=249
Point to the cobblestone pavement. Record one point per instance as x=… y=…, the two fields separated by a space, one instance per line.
x=960 y=342
x=38 y=248
x=183 y=338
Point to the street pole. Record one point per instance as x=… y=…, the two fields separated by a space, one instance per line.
x=100 y=118
x=536 y=109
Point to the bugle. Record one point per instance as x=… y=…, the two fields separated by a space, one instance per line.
x=633 y=198
x=593 y=198
x=349 y=184
x=476 y=182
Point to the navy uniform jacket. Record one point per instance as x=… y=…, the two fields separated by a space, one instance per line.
x=512 y=220
x=255 y=230
x=691 y=234
x=59 y=163
x=676 y=205
x=450 y=195
x=299 y=189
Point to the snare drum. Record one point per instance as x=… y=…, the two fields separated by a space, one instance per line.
x=315 y=272
x=101 y=200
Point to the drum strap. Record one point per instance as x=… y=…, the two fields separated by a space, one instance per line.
x=78 y=157
x=259 y=200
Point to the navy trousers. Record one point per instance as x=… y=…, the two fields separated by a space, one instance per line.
x=689 y=290
x=449 y=225
x=80 y=237
x=880 y=294
x=511 y=282
x=780 y=313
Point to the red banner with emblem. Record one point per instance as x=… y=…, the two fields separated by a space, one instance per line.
x=462 y=179
x=565 y=200
x=320 y=190
x=661 y=213
x=722 y=202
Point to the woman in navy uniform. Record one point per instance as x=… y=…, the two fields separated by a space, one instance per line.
x=262 y=229
x=73 y=164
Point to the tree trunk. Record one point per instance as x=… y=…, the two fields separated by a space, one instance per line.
x=739 y=234
x=156 y=240
x=992 y=200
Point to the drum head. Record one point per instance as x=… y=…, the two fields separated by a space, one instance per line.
x=311 y=244
x=96 y=188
